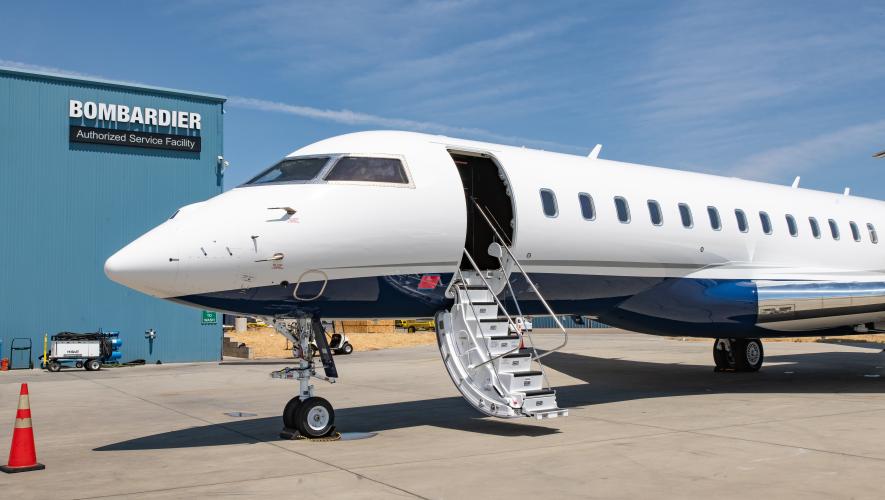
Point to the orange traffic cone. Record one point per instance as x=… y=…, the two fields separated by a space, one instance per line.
x=23 y=455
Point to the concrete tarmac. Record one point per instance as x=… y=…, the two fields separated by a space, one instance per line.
x=649 y=419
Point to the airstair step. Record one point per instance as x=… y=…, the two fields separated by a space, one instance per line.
x=522 y=353
x=520 y=361
x=482 y=310
x=538 y=401
x=502 y=344
x=475 y=295
x=528 y=381
x=529 y=373
x=556 y=412
x=540 y=392
x=494 y=326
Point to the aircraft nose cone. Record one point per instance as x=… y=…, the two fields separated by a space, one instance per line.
x=148 y=265
x=117 y=267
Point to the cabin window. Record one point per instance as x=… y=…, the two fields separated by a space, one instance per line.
x=623 y=209
x=766 y=222
x=654 y=213
x=791 y=225
x=741 y=217
x=715 y=221
x=834 y=229
x=855 y=231
x=366 y=169
x=815 y=227
x=291 y=170
x=548 y=203
x=685 y=214
x=873 y=236
x=588 y=211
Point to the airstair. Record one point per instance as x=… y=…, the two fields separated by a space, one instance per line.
x=490 y=353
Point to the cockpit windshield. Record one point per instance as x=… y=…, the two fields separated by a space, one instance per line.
x=291 y=170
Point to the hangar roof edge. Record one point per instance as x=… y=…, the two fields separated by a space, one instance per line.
x=111 y=83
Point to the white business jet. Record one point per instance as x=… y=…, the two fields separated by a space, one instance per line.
x=482 y=236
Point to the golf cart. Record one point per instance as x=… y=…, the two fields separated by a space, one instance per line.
x=338 y=342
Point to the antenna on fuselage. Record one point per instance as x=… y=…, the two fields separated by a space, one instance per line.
x=595 y=153
x=796 y=182
x=847 y=191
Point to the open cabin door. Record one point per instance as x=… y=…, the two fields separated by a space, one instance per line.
x=485 y=185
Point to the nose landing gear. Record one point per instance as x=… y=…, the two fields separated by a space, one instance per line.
x=306 y=415
x=738 y=355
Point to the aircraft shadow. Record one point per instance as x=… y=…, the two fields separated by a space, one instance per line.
x=615 y=380
x=451 y=413
x=608 y=381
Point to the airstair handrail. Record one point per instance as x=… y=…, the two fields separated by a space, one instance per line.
x=529 y=280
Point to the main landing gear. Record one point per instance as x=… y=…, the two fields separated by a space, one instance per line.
x=738 y=355
x=307 y=415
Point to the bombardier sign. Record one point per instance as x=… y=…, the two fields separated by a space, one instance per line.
x=152 y=117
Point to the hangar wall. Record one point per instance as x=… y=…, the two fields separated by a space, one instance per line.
x=66 y=206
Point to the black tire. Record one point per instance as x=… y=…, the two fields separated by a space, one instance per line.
x=93 y=365
x=54 y=366
x=79 y=364
x=411 y=329
x=722 y=357
x=290 y=413
x=316 y=418
x=749 y=355
x=347 y=349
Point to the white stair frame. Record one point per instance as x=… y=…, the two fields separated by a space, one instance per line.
x=475 y=351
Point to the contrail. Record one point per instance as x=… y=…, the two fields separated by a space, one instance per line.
x=349 y=117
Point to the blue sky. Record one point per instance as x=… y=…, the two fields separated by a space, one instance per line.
x=760 y=90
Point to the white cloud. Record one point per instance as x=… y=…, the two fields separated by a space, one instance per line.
x=712 y=60
x=806 y=155
x=497 y=51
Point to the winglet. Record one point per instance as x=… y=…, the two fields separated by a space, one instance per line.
x=595 y=153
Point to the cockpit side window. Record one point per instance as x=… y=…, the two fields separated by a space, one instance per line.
x=292 y=170
x=366 y=169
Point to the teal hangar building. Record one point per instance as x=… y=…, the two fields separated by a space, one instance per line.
x=86 y=166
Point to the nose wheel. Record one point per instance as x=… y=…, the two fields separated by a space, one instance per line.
x=738 y=355
x=312 y=418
